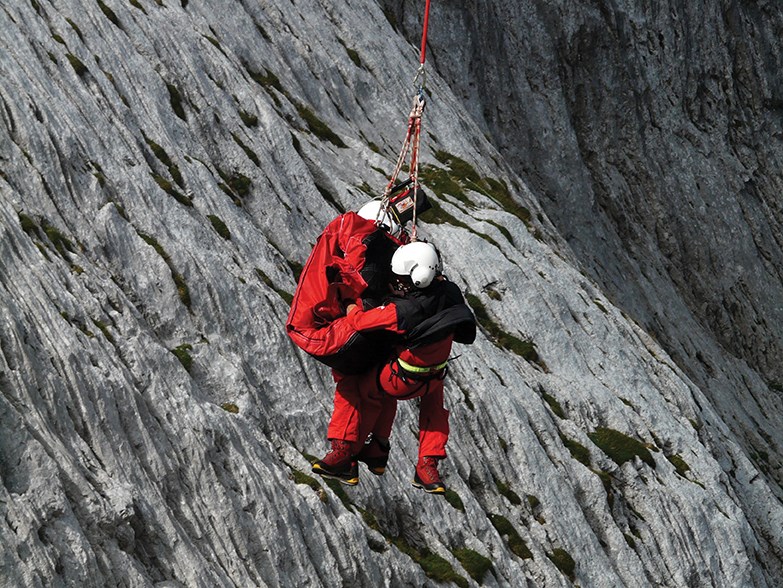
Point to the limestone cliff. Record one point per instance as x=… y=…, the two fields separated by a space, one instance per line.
x=164 y=170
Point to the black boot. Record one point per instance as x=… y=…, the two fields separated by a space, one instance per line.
x=375 y=454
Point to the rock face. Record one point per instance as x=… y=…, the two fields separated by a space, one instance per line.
x=607 y=180
x=652 y=137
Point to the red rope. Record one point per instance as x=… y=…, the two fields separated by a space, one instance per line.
x=413 y=136
x=410 y=145
x=424 y=32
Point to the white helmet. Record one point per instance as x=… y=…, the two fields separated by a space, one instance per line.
x=375 y=211
x=419 y=260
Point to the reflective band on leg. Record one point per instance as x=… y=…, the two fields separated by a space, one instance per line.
x=417 y=369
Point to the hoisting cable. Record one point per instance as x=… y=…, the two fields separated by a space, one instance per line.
x=413 y=135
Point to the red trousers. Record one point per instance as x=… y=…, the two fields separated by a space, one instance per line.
x=367 y=403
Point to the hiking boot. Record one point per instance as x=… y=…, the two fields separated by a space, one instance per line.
x=427 y=477
x=375 y=453
x=338 y=464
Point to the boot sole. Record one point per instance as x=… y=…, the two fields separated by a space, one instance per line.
x=347 y=480
x=377 y=470
x=436 y=490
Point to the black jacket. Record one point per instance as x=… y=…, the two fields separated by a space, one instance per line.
x=432 y=313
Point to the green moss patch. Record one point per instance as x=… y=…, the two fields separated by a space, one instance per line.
x=330 y=198
x=99 y=175
x=441 y=181
x=454 y=500
x=29 y=226
x=219 y=226
x=76 y=29
x=352 y=54
x=104 y=328
x=79 y=324
x=433 y=565
x=169 y=189
x=339 y=490
x=462 y=176
x=318 y=127
x=182 y=353
x=524 y=348
x=162 y=156
x=679 y=464
x=77 y=65
x=302 y=478
x=475 y=564
x=564 y=562
x=578 y=451
x=296 y=268
x=268 y=281
x=230 y=407
x=109 y=13
x=179 y=281
x=267 y=80
x=250 y=120
x=175 y=99
x=506 y=530
x=620 y=447
x=554 y=405
x=505 y=490
x=61 y=243
x=237 y=185
x=251 y=155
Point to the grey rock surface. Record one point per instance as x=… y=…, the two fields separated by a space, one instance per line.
x=612 y=197
x=652 y=136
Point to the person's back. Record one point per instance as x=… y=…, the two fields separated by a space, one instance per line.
x=349 y=260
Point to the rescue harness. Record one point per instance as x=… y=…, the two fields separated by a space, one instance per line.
x=406 y=371
x=397 y=200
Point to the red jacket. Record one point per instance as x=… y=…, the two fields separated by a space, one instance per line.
x=331 y=279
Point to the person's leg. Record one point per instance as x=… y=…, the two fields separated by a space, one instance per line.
x=433 y=436
x=343 y=432
x=419 y=372
x=394 y=382
x=345 y=420
x=377 y=417
x=360 y=408
x=433 y=422
x=383 y=425
x=372 y=402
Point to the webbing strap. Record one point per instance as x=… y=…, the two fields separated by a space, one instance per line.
x=413 y=136
x=417 y=369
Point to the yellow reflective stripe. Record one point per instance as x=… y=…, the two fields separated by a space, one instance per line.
x=416 y=369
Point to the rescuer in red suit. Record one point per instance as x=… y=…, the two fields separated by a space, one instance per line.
x=424 y=313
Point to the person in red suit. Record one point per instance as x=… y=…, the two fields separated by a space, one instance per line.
x=424 y=313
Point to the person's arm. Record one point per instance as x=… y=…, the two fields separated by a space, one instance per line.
x=374 y=319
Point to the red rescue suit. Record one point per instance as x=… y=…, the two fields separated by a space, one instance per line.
x=430 y=319
x=350 y=259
